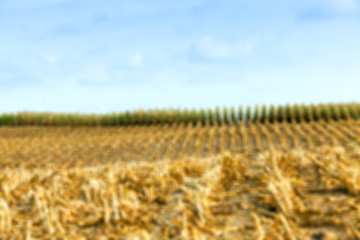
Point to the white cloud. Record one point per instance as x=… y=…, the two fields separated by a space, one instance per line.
x=90 y=75
x=50 y=58
x=146 y=7
x=95 y=73
x=248 y=48
x=342 y=5
x=334 y=6
x=137 y=60
x=325 y=9
x=213 y=49
x=167 y=77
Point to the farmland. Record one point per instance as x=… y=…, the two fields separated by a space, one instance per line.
x=289 y=172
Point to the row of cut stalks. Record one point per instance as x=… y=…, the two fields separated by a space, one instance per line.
x=263 y=114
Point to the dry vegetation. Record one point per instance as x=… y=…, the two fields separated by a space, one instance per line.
x=257 y=179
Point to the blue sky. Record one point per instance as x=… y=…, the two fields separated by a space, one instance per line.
x=105 y=56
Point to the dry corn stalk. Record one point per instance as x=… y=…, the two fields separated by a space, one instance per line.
x=106 y=190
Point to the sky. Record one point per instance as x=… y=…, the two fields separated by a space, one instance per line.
x=90 y=56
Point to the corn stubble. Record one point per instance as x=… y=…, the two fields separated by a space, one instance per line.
x=277 y=195
x=285 y=173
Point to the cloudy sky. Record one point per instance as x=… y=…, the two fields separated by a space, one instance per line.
x=105 y=56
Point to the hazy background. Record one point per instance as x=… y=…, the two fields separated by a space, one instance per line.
x=104 y=56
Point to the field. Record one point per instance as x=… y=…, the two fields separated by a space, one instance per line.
x=276 y=173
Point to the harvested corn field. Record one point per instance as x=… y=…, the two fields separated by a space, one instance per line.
x=254 y=179
x=39 y=146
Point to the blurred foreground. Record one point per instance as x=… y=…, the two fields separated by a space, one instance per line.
x=297 y=194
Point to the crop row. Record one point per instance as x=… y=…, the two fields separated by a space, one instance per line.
x=263 y=114
x=42 y=146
